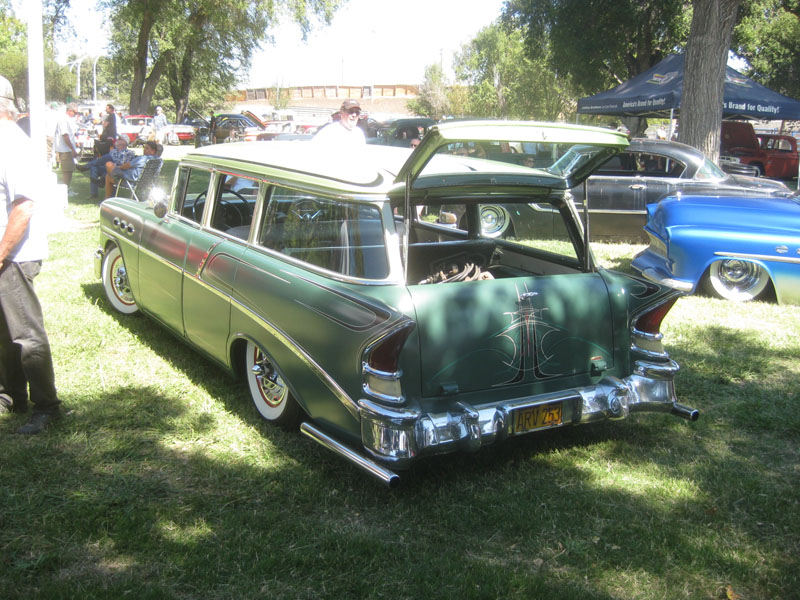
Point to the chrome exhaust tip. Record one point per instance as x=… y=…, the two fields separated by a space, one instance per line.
x=384 y=475
x=684 y=412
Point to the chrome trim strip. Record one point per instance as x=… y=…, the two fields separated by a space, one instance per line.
x=650 y=337
x=303 y=356
x=389 y=376
x=386 y=476
x=766 y=257
x=676 y=284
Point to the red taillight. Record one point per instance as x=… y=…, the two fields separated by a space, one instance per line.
x=384 y=356
x=650 y=322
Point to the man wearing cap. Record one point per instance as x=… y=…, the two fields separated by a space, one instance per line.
x=344 y=132
x=96 y=167
x=64 y=144
x=26 y=365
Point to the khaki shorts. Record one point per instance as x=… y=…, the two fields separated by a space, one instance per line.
x=67 y=162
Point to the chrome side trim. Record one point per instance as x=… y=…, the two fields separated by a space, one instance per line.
x=676 y=284
x=303 y=356
x=387 y=477
x=767 y=257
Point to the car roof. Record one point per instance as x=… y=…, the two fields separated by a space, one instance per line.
x=368 y=169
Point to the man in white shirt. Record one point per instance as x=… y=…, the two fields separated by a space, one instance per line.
x=64 y=144
x=25 y=359
x=344 y=132
x=160 y=125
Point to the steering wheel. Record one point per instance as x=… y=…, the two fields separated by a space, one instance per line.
x=228 y=208
x=201 y=200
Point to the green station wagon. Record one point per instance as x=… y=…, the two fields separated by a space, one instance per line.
x=357 y=293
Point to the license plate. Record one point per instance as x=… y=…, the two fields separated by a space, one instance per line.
x=537 y=417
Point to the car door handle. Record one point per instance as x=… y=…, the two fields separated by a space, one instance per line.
x=637 y=186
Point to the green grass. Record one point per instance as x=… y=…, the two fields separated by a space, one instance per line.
x=161 y=481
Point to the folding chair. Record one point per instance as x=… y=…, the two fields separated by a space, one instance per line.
x=140 y=189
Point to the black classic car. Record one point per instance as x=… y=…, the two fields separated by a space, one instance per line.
x=619 y=191
x=649 y=170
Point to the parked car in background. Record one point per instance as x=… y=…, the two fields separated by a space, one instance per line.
x=388 y=336
x=737 y=248
x=771 y=155
x=133 y=126
x=621 y=190
x=400 y=132
x=231 y=127
x=180 y=133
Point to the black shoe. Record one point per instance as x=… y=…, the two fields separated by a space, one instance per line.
x=38 y=423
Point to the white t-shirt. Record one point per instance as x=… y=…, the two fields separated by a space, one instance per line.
x=337 y=134
x=64 y=126
x=20 y=179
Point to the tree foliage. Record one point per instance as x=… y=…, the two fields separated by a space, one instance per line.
x=14 y=53
x=768 y=38
x=600 y=43
x=184 y=44
x=433 y=99
x=505 y=81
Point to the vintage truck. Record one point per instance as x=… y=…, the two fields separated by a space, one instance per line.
x=771 y=155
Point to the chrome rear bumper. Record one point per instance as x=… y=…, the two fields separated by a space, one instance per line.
x=397 y=436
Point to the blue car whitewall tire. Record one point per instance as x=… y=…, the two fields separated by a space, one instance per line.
x=736 y=279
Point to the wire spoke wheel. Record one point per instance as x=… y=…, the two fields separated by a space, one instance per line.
x=268 y=390
x=116 y=284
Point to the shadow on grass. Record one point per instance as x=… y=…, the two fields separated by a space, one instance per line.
x=554 y=515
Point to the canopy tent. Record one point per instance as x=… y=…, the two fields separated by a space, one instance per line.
x=657 y=93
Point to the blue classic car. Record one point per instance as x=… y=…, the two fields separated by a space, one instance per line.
x=729 y=247
x=321 y=279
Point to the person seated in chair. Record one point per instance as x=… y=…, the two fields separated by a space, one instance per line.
x=132 y=169
x=119 y=155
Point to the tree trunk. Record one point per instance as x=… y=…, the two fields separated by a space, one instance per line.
x=180 y=82
x=704 y=74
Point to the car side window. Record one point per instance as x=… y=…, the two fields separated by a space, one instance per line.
x=337 y=235
x=191 y=193
x=234 y=204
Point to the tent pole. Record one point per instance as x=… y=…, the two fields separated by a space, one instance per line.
x=671 y=123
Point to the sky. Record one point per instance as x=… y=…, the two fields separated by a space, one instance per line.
x=368 y=42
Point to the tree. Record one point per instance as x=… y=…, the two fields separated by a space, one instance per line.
x=14 y=54
x=189 y=41
x=704 y=76
x=504 y=81
x=432 y=100
x=597 y=44
x=768 y=38
x=600 y=43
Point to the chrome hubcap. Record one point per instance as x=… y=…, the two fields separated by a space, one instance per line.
x=270 y=384
x=120 y=281
x=738 y=274
x=493 y=220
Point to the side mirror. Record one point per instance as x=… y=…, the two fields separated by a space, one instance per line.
x=158 y=200
x=160 y=209
x=448 y=218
